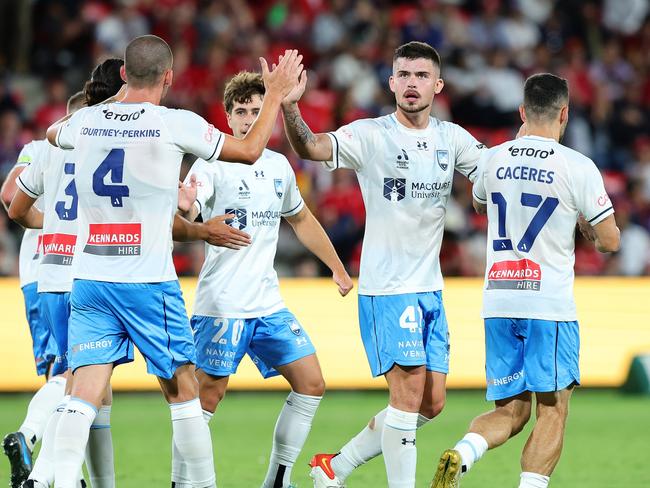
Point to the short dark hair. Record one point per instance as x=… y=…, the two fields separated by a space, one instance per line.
x=105 y=81
x=241 y=89
x=544 y=96
x=416 y=50
x=145 y=60
x=76 y=101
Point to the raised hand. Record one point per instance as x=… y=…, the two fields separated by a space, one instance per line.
x=298 y=91
x=284 y=77
x=222 y=235
x=186 y=194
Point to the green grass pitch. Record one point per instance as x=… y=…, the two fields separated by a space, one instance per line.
x=606 y=446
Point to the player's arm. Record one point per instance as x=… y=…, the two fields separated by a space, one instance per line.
x=214 y=231
x=22 y=211
x=605 y=234
x=313 y=237
x=479 y=208
x=9 y=187
x=306 y=144
x=278 y=82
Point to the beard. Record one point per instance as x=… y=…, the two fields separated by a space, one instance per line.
x=412 y=109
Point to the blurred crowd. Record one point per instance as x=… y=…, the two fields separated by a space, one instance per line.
x=488 y=47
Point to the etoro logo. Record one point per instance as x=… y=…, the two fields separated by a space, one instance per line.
x=114 y=239
x=239 y=219
x=515 y=275
x=394 y=189
x=58 y=248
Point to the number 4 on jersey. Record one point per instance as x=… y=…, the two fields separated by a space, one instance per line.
x=113 y=164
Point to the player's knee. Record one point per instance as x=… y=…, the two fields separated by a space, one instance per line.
x=519 y=421
x=432 y=409
x=314 y=387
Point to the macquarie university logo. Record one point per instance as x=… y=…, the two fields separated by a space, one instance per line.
x=394 y=189
x=58 y=248
x=239 y=220
x=279 y=187
x=114 y=239
x=515 y=275
x=442 y=156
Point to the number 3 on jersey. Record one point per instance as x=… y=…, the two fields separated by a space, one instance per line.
x=113 y=164
x=545 y=208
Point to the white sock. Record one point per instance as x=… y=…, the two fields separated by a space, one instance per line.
x=71 y=439
x=366 y=445
x=291 y=430
x=363 y=447
x=471 y=449
x=398 y=447
x=99 y=451
x=40 y=408
x=533 y=480
x=180 y=478
x=43 y=471
x=191 y=436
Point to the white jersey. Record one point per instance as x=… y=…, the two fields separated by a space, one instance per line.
x=30 y=245
x=534 y=189
x=50 y=176
x=405 y=177
x=243 y=284
x=128 y=163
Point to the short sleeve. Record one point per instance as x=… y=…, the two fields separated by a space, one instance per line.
x=468 y=152
x=292 y=201
x=478 y=189
x=204 y=183
x=590 y=195
x=66 y=137
x=31 y=180
x=192 y=134
x=351 y=146
x=26 y=156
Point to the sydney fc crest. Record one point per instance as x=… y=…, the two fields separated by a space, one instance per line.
x=443 y=159
x=239 y=219
x=394 y=189
x=279 y=191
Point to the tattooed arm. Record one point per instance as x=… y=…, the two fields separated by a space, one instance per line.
x=306 y=144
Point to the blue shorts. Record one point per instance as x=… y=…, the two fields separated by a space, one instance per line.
x=408 y=329
x=43 y=343
x=108 y=319
x=273 y=340
x=530 y=355
x=55 y=310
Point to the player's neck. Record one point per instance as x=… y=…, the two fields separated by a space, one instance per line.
x=142 y=95
x=539 y=130
x=419 y=120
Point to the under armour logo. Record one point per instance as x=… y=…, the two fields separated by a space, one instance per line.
x=405 y=441
x=259 y=174
x=422 y=145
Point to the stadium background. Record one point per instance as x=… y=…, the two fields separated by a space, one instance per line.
x=48 y=47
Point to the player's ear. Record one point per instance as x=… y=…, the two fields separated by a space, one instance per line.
x=522 y=113
x=169 y=77
x=564 y=114
x=123 y=73
x=440 y=84
x=391 y=83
